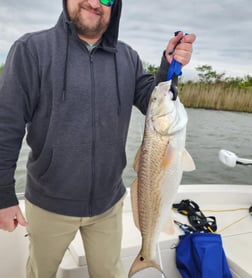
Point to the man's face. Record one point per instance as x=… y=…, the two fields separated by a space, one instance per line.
x=90 y=17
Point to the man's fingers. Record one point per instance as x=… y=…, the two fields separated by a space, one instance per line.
x=190 y=38
x=11 y=217
x=9 y=226
x=174 y=42
x=20 y=219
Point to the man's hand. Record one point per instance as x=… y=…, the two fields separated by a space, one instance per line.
x=180 y=48
x=10 y=218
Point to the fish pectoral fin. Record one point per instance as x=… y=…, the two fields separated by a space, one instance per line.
x=168 y=157
x=188 y=163
x=137 y=160
x=134 y=202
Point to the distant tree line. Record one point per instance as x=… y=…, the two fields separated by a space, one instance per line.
x=207 y=75
x=213 y=90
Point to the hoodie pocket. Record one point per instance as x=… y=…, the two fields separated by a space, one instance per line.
x=65 y=172
x=109 y=168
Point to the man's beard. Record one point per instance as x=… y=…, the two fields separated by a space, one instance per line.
x=92 y=30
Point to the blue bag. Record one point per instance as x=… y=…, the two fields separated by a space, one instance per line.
x=201 y=255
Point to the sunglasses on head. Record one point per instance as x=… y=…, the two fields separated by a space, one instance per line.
x=108 y=3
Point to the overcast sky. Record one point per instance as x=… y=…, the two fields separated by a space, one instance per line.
x=223 y=28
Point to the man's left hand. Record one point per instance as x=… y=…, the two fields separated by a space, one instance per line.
x=183 y=51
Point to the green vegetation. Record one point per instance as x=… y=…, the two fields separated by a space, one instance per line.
x=215 y=91
x=212 y=90
x=218 y=96
x=150 y=68
x=1 y=68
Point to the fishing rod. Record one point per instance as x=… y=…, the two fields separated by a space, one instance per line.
x=230 y=159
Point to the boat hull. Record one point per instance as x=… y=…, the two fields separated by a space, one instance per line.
x=237 y=238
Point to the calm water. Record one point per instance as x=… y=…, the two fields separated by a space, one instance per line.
x=208 y=132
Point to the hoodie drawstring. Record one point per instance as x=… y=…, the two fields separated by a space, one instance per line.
x=65 y=65
x=118 y=95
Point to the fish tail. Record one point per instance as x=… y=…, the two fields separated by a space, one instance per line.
x=140 y=264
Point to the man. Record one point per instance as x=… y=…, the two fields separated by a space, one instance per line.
x=72 y=88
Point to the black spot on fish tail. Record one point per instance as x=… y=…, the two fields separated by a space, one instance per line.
x=141 y=263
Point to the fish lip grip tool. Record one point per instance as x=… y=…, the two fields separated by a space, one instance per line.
x=174 y=71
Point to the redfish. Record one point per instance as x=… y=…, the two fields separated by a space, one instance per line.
x=159 y=163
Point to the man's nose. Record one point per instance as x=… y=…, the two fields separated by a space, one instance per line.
x=94 y=3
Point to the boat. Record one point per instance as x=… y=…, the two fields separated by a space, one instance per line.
x=230 y=204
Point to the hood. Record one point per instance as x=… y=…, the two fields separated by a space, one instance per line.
x=109 y=42
x=110 y=36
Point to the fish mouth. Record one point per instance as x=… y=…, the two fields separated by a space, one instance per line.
x=156 y=116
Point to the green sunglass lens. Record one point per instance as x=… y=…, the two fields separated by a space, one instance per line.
x=107 y=2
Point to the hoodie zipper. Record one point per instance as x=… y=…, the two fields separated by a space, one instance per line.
x=93 y=132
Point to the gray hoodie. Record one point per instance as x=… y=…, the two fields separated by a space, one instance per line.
x=76 y=107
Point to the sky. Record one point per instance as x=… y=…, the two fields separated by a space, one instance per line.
x=223 y=29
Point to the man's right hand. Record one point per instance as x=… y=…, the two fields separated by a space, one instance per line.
x=10 y=218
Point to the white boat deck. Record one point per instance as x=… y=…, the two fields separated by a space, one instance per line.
x=237 y=238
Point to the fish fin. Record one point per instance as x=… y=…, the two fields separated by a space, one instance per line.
x=140 y=264
x=169 y=227
x=188 y=163
x=168 y=157
x=137 y=160
x=134 y=202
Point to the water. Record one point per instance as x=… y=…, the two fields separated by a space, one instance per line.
x=208 y=132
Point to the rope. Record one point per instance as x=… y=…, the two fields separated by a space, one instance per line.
x=224 y=210
x=234 y=223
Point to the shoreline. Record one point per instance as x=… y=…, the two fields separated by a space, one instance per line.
x=216 y=97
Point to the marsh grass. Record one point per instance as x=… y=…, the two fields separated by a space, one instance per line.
x=216 y=96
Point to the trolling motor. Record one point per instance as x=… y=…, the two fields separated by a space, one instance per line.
x=230 y=159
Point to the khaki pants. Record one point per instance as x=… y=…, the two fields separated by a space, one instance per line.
x=50 y=235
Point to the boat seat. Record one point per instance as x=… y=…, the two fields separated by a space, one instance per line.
x=238 y=251
x=237 y=248
x=237 y=245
